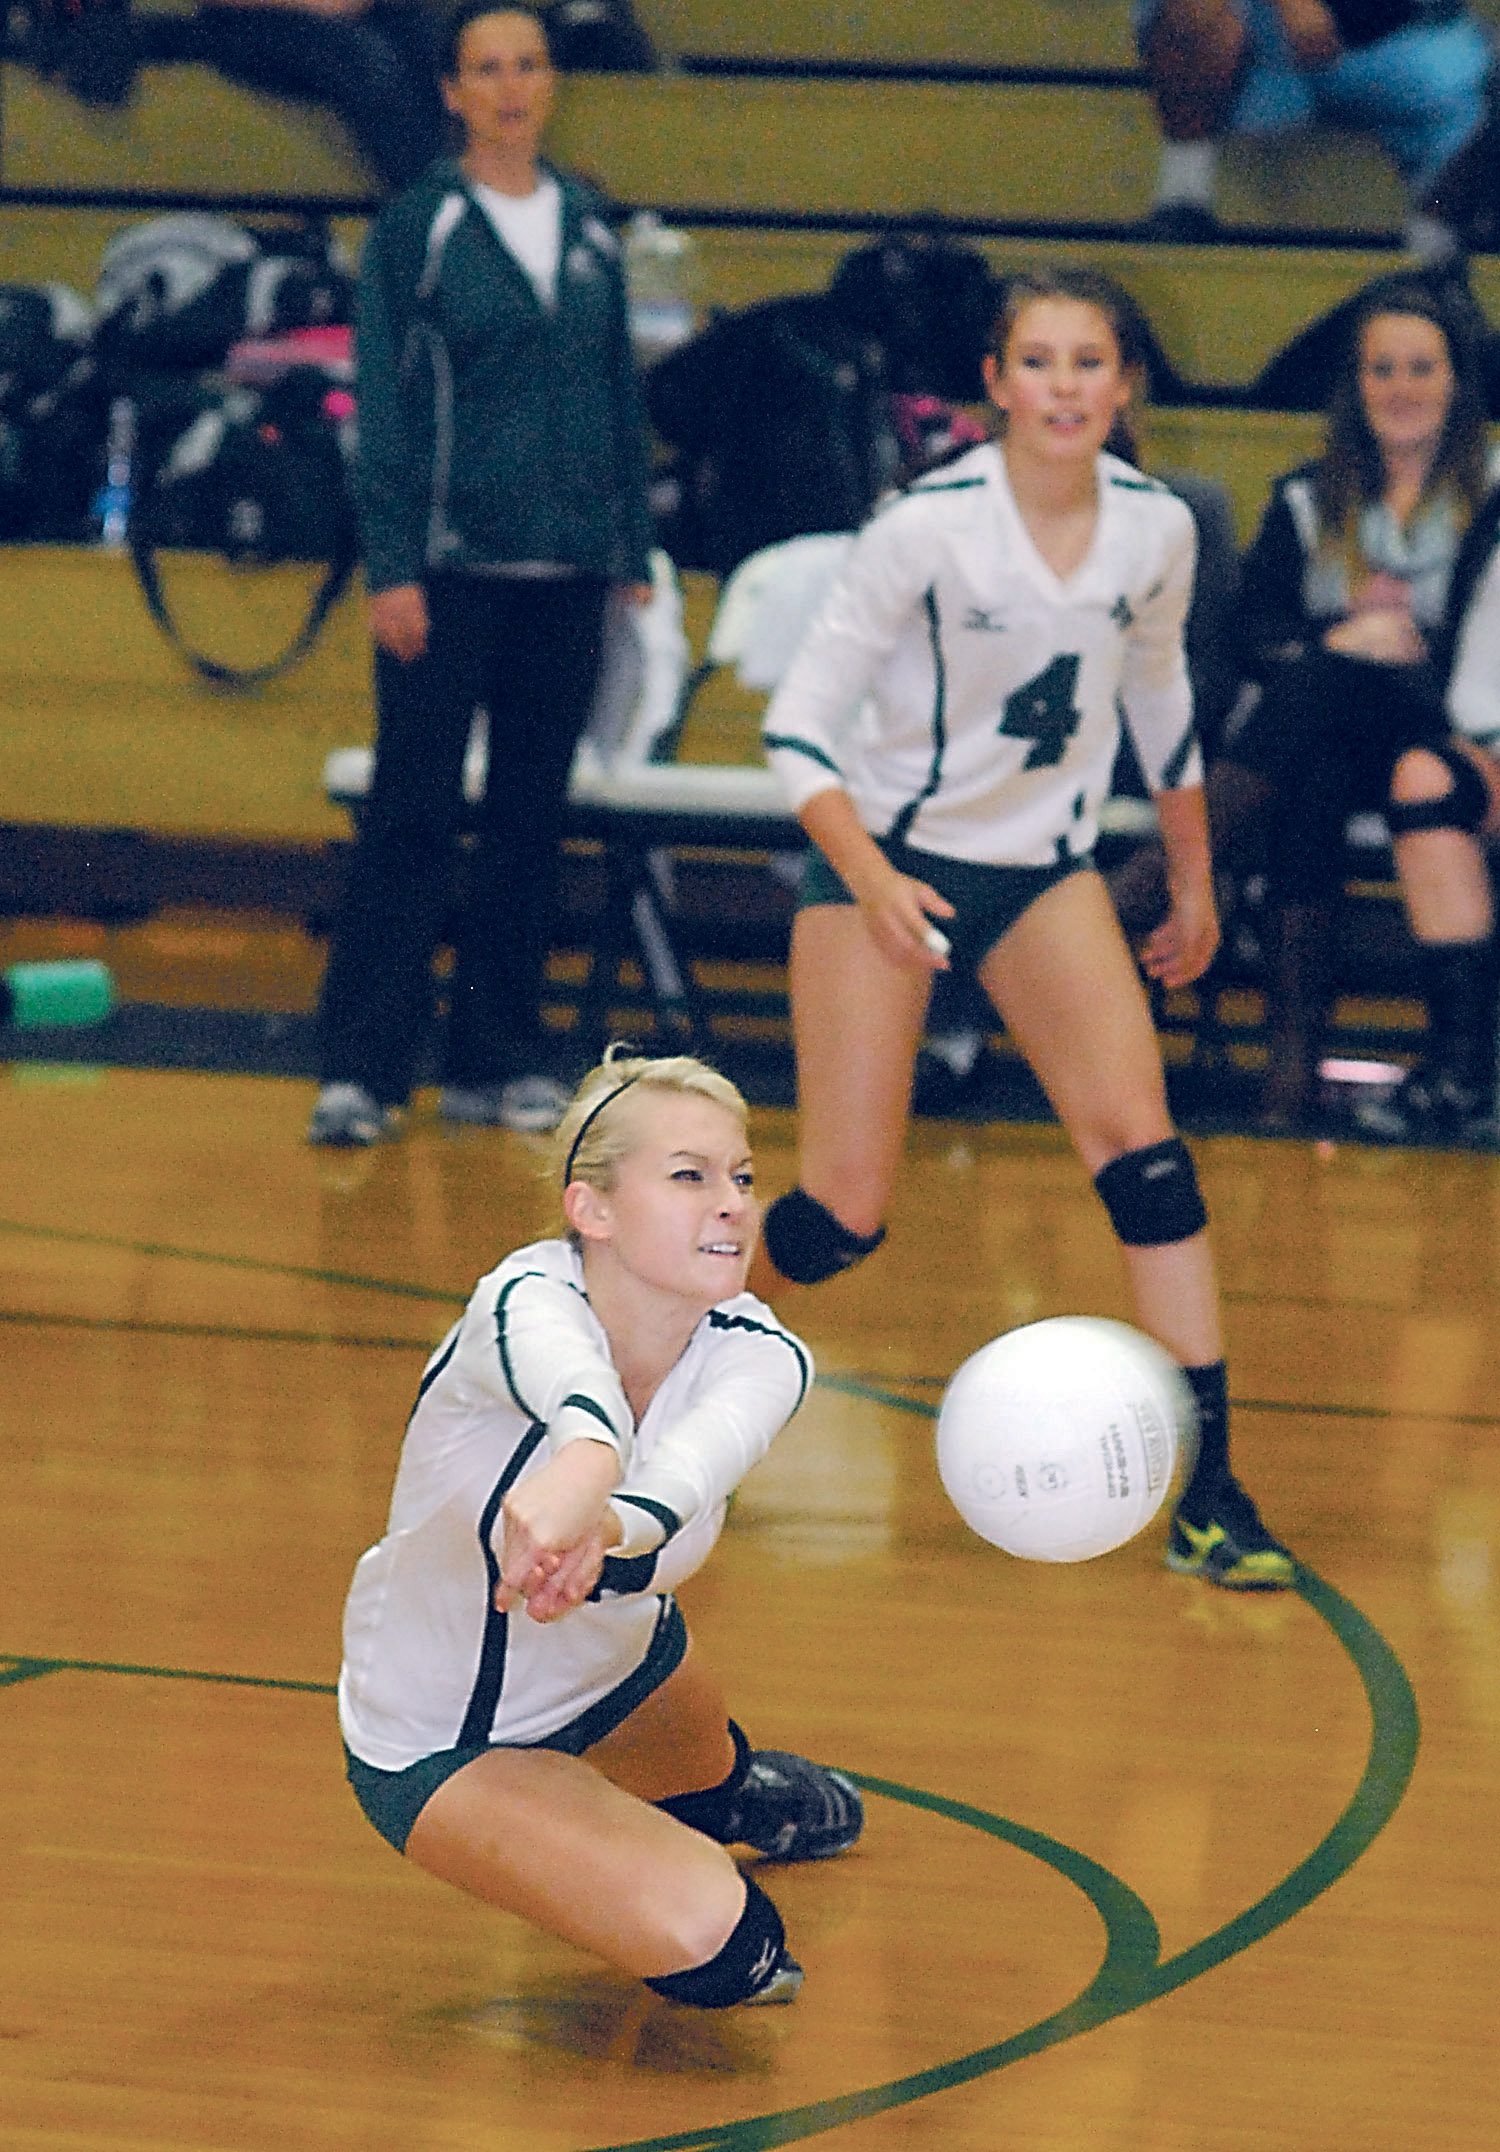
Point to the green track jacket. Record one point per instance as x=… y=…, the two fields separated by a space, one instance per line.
x=491 y=430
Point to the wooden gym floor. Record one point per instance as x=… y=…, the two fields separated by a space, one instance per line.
x=1142 y=1873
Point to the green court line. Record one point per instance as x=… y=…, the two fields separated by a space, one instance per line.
x=876 y=1393
x=24 y=1319
x=263 y=1264
x=1131 y=1973
x=16 y=1667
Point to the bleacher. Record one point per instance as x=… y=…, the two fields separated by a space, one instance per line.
x=780 y=136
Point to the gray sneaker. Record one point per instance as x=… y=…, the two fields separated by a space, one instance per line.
x=532 y=1104
x=476 y=1108
x=347 y=1116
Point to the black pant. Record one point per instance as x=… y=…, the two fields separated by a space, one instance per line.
x=529 y=652
x=1328 y=733
x=378 y=71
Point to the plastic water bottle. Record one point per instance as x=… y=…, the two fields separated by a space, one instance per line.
x=112 y=502
x=660 y=272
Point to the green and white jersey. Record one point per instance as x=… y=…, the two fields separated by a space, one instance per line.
x=968 y=698
x=428 y=1661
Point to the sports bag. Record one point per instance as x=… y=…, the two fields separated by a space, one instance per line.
x=50 y=411
x=177 y=292
x=259 y=475
x=781 y=428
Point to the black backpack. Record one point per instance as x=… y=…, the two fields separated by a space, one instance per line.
x=50 y=412
x=177 y=292
x=781 y=428
x=256 y=474
x=929 y=302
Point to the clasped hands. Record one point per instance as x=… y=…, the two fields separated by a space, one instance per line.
x=555 y=1529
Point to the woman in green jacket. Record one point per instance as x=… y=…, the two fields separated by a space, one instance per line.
x=501 y=483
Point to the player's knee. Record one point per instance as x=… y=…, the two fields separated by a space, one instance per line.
x=1152 y=1195
x=1435 y=788
x=808 y=1244
x=1420 y=775
x=742 y=1968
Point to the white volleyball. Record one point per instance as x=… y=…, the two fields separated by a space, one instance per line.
x=1063 y=1439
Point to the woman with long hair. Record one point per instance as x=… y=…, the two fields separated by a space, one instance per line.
x=1371 y=611
x=946 y=734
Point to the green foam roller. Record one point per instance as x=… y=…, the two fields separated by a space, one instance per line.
x=35 y=997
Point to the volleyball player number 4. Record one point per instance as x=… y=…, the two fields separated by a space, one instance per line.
x=946 y=735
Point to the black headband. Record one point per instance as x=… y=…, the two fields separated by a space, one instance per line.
x=590 y=1118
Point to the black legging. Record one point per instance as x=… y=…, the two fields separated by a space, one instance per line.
x=1327 y=734
x=529 y=652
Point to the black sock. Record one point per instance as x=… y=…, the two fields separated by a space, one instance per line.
x=711 y=1810
x=741 y=1968
x=1210 y=1388
x=1459 y=981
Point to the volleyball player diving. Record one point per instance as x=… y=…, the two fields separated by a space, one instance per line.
x=523 y=1713
x=946 y=734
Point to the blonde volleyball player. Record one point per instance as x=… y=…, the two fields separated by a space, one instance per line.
x=946 y=735
x=523 y=1714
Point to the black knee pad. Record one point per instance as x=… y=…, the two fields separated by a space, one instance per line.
x=808 y=1244
x=753 y=1957
x=1152 y=1195
x=1464 y=807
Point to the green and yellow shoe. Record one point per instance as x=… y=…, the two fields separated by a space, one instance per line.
x=1231 y=1548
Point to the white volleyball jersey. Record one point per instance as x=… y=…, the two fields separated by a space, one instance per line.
x=967 y=697
x=428 y=1661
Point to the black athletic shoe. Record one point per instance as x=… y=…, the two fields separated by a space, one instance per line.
x=1231 y=1547
x=793 y=1810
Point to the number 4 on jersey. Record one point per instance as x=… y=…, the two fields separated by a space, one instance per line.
x=1043 y=711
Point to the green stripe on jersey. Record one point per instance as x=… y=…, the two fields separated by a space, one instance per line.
x=1177 y=761
x=509 y=1372
x=595 y=1412
x=718 y=1320
x=667 y=1518
x=795 y=746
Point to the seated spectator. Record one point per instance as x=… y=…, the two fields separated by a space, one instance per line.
x=1370 y=603
x=1412 y=73
x=372 y=62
